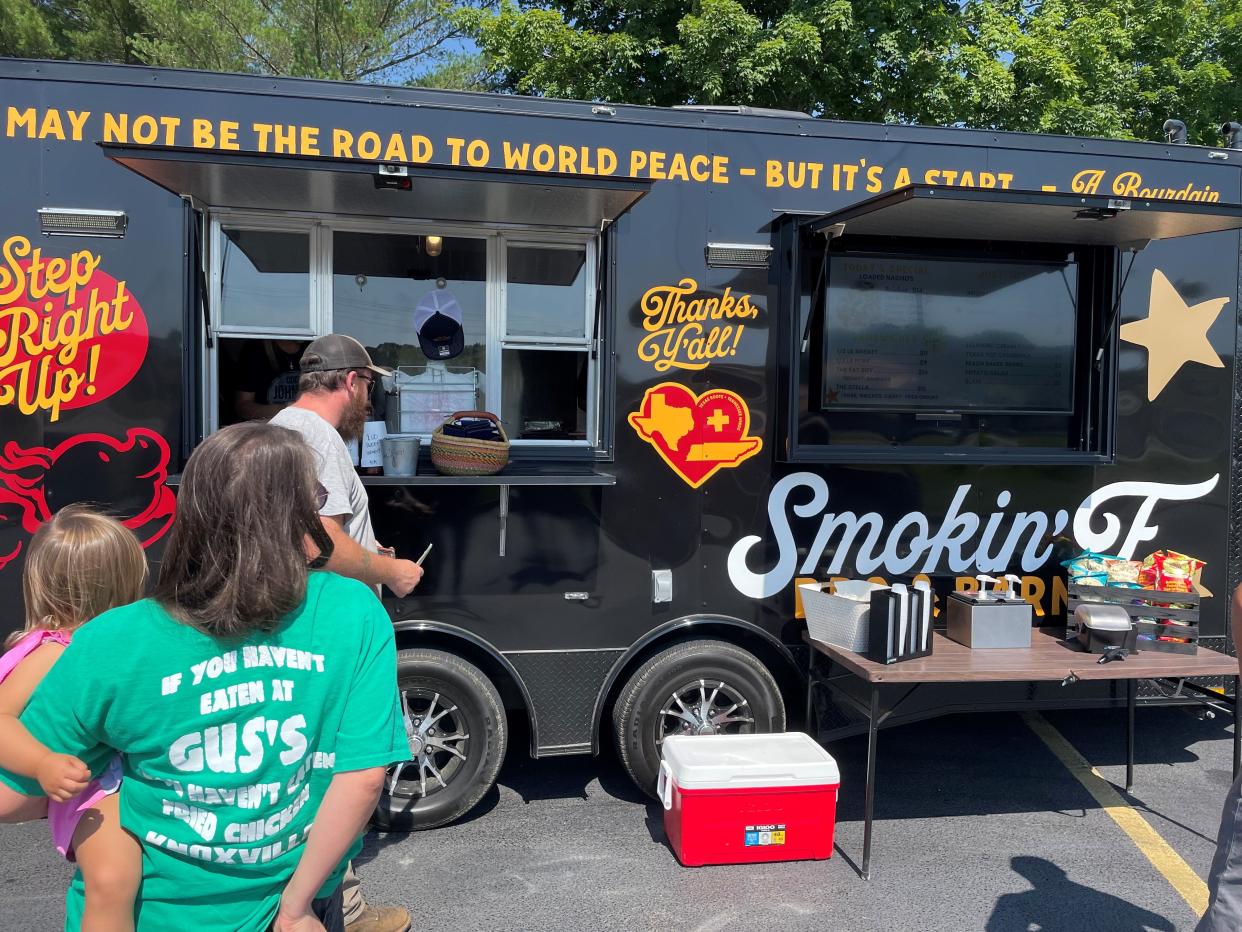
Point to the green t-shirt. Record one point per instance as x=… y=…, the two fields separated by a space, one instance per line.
x=228 y=746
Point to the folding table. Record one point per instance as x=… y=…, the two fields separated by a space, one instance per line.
x=1050 y=658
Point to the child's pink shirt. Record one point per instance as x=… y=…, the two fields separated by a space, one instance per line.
x=63 y=817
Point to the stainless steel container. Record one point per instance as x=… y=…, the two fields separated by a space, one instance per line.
x=989 y=622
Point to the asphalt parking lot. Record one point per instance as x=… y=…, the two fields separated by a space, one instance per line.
x=979 y=827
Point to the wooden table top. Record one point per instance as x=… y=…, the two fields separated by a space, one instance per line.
x=1049 y=658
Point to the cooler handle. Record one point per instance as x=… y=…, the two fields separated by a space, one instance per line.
x=664 y=786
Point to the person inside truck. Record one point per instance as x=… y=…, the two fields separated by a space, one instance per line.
x=266 y=377
x=254 y=702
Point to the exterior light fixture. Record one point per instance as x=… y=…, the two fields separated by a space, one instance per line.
x=433 y=245
x=737 y=256
x=72 y=221
x=393 y=178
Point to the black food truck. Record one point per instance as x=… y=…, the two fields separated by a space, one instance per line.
x=734 y=350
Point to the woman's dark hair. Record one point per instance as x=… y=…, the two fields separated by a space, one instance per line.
x=236 y=560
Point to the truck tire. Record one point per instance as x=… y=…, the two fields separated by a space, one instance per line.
x=456 y=727
x=697 y=687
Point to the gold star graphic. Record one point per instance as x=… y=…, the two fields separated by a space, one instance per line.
x=1174 y=333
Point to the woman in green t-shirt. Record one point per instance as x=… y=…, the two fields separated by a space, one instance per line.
x=250 y=698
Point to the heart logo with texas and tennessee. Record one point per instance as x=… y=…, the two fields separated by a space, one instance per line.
x=697 y=435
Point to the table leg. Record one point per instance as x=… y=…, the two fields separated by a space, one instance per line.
x=1131 y=690
x=1237 y=736
x=810 y=692
x=873 y=726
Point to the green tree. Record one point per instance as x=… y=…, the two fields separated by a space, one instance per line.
x=362 y=40
x=87 y=30
x=1115 y=68
x=852 y=59
x=1095 y=67
x=95 y=30
x=24 y=32
x=459 y=71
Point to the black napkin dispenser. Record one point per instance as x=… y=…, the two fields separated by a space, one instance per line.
x=1102 y=626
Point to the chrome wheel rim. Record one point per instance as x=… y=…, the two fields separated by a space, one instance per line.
x=435 y=729
x=704 y=707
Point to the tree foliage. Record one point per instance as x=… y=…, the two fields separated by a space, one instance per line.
x=1092 y=67
x=348 y=40
x=24 y=30
x=1117 y=68
x=1096 y=67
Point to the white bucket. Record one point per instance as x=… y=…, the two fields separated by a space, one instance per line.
x=400 y=452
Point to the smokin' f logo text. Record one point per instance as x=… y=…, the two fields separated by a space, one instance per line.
x=963 y=540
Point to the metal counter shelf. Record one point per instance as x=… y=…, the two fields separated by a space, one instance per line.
x=530 y=472
x=519 y=473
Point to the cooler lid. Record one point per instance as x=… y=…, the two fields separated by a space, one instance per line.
x=717 y=762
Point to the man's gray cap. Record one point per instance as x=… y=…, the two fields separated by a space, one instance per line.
x=337 y=351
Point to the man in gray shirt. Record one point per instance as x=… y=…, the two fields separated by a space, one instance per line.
x=337 y=373
x=331 y=408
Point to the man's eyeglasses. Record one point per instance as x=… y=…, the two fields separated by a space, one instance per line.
x=321 y=496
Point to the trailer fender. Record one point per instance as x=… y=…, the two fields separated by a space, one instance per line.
x=423 y=632
x=725 y=627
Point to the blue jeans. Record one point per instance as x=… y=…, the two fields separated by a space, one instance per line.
x=328 y=911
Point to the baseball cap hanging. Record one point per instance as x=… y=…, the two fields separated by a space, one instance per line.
x=437 y=321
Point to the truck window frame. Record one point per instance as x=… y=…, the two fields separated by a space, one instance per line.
x=320 y=229
x=1093 y=421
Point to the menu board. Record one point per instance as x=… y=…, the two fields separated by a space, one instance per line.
x=949 y=335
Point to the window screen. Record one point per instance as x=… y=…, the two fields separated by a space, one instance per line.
x=928 y=334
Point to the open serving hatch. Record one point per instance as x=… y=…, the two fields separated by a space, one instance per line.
x=361 y=188
x=1027 y=216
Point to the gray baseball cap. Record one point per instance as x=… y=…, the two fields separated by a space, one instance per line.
x=337 y=351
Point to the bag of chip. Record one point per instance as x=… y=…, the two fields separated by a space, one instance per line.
x=1089 y=568
x=1124 y=574
x=1170 y=571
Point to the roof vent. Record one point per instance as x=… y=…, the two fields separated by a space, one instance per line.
x=743 y=110
x=1175 y=132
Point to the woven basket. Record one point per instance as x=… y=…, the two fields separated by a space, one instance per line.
x=465 y=456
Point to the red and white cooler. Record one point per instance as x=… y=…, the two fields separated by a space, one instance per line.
x=744 y=799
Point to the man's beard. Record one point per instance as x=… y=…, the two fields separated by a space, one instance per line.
x=354 y=419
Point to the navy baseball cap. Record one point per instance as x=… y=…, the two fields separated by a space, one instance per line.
x=437 y=320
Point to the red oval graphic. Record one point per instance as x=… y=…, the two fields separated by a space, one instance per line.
x=71 y=335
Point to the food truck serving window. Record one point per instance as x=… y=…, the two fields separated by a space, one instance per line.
x=933 y=324
x=524 y=303
x=301 y=246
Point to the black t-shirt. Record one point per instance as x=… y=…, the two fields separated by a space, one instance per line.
x=269 y=372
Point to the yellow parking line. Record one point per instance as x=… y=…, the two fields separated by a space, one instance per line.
x=1161 y=854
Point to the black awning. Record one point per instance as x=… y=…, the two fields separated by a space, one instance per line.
x=349 y=187
x=1027 y=216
